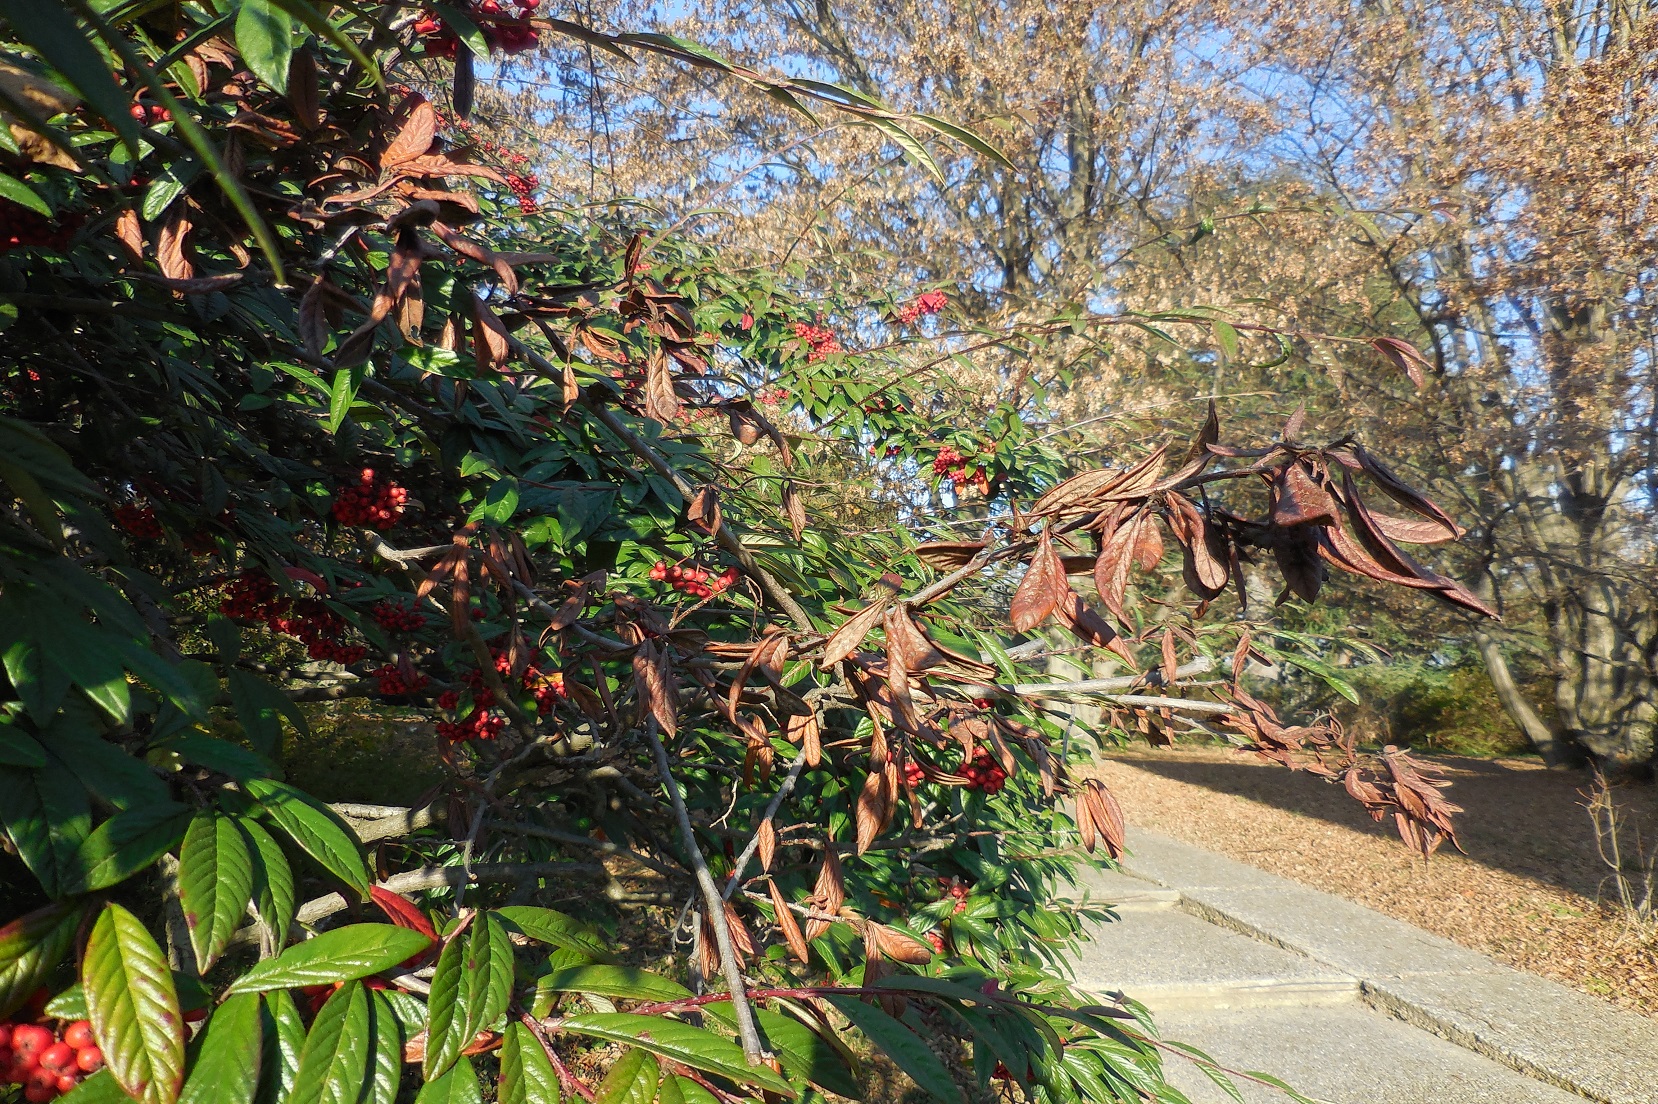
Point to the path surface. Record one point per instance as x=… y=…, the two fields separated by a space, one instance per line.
x=1347 y=1005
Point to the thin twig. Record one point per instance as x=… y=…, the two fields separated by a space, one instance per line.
x=777 y=799
x=746 y=1030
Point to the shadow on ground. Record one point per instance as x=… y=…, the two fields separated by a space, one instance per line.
x=1518 y=817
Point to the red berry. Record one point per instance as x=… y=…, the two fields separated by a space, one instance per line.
x=67 y=1082
x=29 y=1041
x=58 y=1057
x=89 y=1058
x=5 y=1035
x=78 y=1034
x=42 y=1084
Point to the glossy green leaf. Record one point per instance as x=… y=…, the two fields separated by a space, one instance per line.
x=470 y=989
x=70 y=1004
x=527 y=1075
x=226 y=1070
x=19 y=749
x=123 y=845
x=804 y=1054
x=229 y=759
x=315 y=827
x=343 y=954
x=265 y=39
x=134 y=1008
x=555 y=929
x=631 y=1079
x=680 y=1042
x=284 y=1035
x=48 y=817
x=30 y=948
x=215 y=883
x=338 y=1056
x=458 y=1086
x=261 y=708
x=902 y=1045
x=99 y=1088
x=389 y=1038
x=273 y=880
x=613 y=981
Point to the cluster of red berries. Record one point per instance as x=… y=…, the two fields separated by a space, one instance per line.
x=956 y=888
x=372 y=502
x=693 y=581
x=773 y=396
x=547 y=688
x=21 y=228
x=928 y=302
x=953 y=465
x=398 y=617
x=508 y=38
x=149 y=114
x=44 y=1063
x=984 y=773
x=480 y=724
x=252 y=596
x=523 y=189
x=820 y=341
x=936 y=941
x=913 y=774
x=140 y=521
x=394 y=682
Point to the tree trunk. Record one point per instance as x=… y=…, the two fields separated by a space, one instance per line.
x=1555 y=750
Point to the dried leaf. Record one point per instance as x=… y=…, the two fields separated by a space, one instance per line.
x=850 y=635
x=171 y=247
x=490 y=342
x=787 y=924
x=658 y=687
x=1041 y=589
x=130 y=233
x=1117 y=554
x=874 y=809
x=794 y=509
x=948 y=554
x=703 y=511
x=416 y=136
x=1403 y=356
x=898 y=946
x=1205 y=553
x=302 y=89
x=766 y=835
x=661 y=403
x=1298 y=500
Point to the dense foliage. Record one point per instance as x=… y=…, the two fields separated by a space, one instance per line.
x=312 y=395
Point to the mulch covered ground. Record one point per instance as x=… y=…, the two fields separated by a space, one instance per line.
x=1532 y=890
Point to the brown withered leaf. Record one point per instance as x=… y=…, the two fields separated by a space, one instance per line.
x=1404 y=494
x=1403 y=356
x=874 y=808
x=490 y=342
x=949 y=554
x=313 y=326
x=1171 y=662
x=1202 y=451
x=850 y=635
x=1204 y=553
x=1148 y=547
x=898 y=946
x=1086 y=829
x=411 y=309
x=829 y=892
x=302 y=89
x=794 y=508
x=44 y=99
x=744 y=427
x=476 y=251
x=437 y=165
x=1297 y=499
x=908 y=647
x=766 y=844
x=416 y=135
x=1091 y=628
x=661 y=403
x=1116 y=558
x=1107 y=816
x=658 y=687
x=703 y=511
x=742 y=941
x=130 y=233
x=802 y=728
x=171 y=247
x=1296 y=551
x=1041 y=589
x=787 y=924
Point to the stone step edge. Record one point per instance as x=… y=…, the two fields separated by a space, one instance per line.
x=1238 y=995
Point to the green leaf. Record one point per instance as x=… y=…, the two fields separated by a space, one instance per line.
x=612 y=981
x=902 y=1045
x=19 y=749
x=1227 y=338
x=98 y=1088
x=555 y=929
x=107 y=771
x=387 y=1073
x=680 y=1042
x=465 y=30
x=965 y=137
x=804 y=1054
x=30 y=949
x=52 y=31
x=471 y=987
x=226 y=1070
x=260 y=708
x=69 y=1004
x=48 y=817
x=124 y=844
x=631 y=1079
x=133 y=1006
x=458 y=1086
x=221 y=755
x=315 y=827
x=343 y=954
x=527 y=1076
x=215 y=883
x=20 y=193
x=273 y=880
x=338 y=1055
x=284 y=1033
x=265 y=38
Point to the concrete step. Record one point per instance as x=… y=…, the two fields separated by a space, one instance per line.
x=1171 y=961
x=1349 y=1054
x=1122 y=892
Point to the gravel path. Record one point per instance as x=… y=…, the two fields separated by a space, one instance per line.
x=1529 y=892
